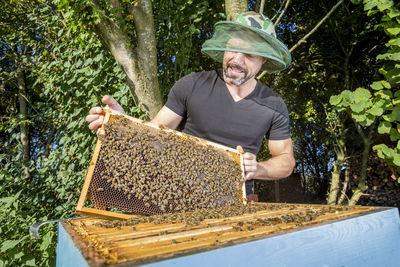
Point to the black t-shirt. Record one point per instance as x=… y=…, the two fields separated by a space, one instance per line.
x=210 y=112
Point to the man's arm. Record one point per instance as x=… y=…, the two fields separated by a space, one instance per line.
x=167 y=118
x=280 y=165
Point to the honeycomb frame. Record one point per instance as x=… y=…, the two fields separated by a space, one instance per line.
x=99 y=194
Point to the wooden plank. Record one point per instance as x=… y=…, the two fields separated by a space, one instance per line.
x=103 y=213
x=90 y=172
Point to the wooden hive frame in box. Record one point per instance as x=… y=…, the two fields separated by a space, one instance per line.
x=132 y=242
x=105 y=191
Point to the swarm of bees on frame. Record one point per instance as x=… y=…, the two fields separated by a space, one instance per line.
x=159 y=171
x=195 y=217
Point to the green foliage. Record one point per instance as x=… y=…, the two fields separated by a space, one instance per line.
x=67 y=72
x=182 y=28
x=363 y=107
x=383 y=104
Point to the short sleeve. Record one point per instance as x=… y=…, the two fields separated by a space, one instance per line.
x=280 y=126
x=179 y=95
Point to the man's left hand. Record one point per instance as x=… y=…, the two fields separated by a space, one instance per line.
x=250 y=165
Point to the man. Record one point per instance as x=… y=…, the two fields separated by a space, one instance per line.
x=230 y=106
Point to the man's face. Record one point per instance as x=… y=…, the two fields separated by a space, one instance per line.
x=239 y=67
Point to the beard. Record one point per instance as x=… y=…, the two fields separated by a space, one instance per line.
x=235 y=80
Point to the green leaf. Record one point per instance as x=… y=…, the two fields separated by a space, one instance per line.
x=385 y=94
x=9 y=244
x=99 y=57
x=71 y=81
x=360 y=106
x=393 y=13
x=396 y=159
x=395 y=116
x=370 y=119
x=377 y=85
x=359 y=117
x=384 y=4
x=384 y=150
x=88 y=62
x=384 y=127
x=30 y=262
x=394 y=134
x=124 y=100
x=394 y=30
x=361 y=94
x=46 y=241
x=335 y=99
x=386 y=84
x=369 y=5
x=376 y=111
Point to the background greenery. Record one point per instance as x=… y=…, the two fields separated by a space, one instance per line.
x=341 y=91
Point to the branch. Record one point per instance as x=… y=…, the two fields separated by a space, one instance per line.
x=26 y=99
x=279 y=10
x=283 y=12
x=262 y=7
x=303 y=40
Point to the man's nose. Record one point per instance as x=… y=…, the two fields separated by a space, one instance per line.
x=239 y=57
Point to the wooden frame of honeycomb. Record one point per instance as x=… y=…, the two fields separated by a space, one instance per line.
x=142 y=168
x=137 y=242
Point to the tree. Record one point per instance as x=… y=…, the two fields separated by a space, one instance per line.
x=138 y=59
x=378 y=111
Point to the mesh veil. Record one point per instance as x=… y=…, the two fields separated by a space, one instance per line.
x=236 y=37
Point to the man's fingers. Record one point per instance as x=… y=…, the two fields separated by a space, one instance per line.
x=112 y=104
x=249 y=156
x=94 y=125
x=96 y=110
x=250 y=168
x=92 y=117
x=249 y=176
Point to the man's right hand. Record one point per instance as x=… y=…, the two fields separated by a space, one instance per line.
x=95 y=117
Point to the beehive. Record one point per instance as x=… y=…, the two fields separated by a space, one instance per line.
x=142 y=168
x=135 y=242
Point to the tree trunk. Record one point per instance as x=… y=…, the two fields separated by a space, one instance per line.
x=23 y=110
x=139 y=63
x=344 y=185
x=234 y=7
x=337 y=170
x=362 y=183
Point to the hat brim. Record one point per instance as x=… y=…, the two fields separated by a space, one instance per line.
x=274 y=64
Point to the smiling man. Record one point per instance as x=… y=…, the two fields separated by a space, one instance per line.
x=230 y=106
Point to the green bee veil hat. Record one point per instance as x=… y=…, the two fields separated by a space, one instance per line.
x=251 y=33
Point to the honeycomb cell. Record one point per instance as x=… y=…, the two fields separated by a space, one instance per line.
x=142 y=169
